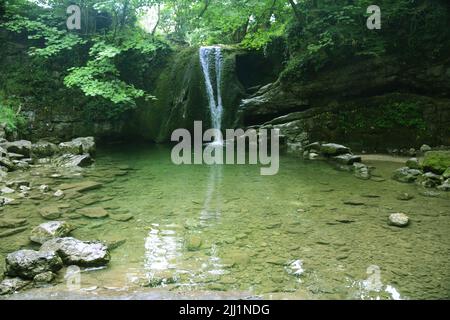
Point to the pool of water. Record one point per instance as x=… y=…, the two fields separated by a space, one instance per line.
x=226 y=229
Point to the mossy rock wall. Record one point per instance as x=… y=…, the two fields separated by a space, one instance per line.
x=181 y=97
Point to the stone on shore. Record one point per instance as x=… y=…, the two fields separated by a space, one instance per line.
x=76 y=252
x=29 y=263
x=398 y=220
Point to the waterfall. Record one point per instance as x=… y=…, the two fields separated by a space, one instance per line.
x=212 y=57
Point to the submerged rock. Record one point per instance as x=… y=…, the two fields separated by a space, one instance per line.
x=12 y=223
x=29 y=263
x=50 y=230
x=76 y=252
x=50 y=212
x=193 y=243
x=12 y=285
x=11 y=232
x=22 y=147
x=398 y=220
x=404 y=196
x=406 y=175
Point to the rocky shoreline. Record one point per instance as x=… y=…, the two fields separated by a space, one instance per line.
x=28 y=268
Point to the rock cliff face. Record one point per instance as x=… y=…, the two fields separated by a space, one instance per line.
x=182 y=97
x=368 y=104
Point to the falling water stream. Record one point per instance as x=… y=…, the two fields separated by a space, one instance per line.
x=211 y=60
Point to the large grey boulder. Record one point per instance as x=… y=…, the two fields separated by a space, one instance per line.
x=78 y=146
x=43 y=149
x=72 y=160
x=29 y=263
x=77 y=252
x=406 y=175
x=50 y=230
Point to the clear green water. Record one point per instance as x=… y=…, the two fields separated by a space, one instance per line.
x=256 y=231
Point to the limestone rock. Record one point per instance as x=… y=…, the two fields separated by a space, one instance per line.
x=12 y=285
x=29 y=263
x=436 y=161
x=77 y=252
x=43 y=149
x=50 y=230
x=78 y=146
x=398 y=220
x=71 y=160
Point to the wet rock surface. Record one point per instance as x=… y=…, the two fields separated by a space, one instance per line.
x=77 y=252
x=29 y=263
x=50 y=230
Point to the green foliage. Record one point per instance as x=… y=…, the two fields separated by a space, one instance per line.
x=10 y=117
x=100 y=77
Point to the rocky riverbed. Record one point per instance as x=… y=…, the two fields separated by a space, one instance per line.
x=132 y=222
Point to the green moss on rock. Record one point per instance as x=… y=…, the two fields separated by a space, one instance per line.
x=436 y=161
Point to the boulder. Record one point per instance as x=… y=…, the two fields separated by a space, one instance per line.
x=78 y=146
x=436 y=161
x=406 y=175
x=445 y=186
x=347 y=159
x=333 y=149
x=12 y=285
x=72 y=160
x=11 y=232
x=94 y=212
x=50 y=212
x=430 y=180
x=413 y=163
x=404 y=196
x=361 y=171
x=43 y=149
x=50 y=230
x=398 y=220
x=44 y=278
x=29 y=263
x=22 y=147
x=8 y=164
x=77 y=252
